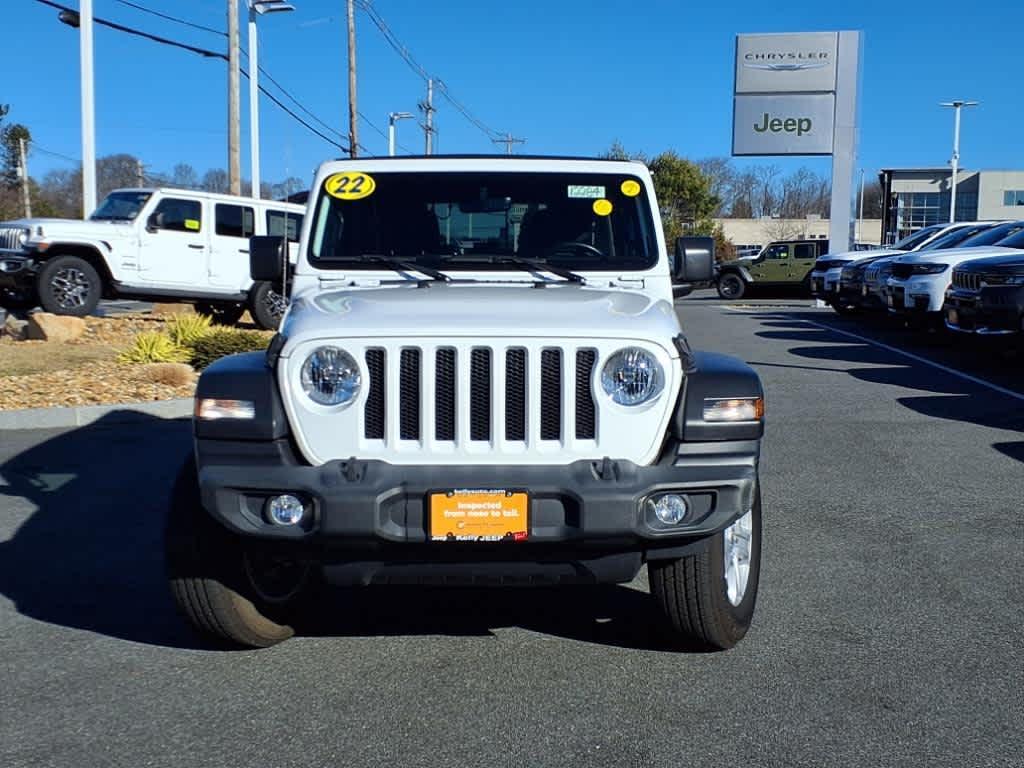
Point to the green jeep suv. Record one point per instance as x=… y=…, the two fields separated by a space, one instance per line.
x=779 y=264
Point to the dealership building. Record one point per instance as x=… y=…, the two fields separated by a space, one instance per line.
x=919 y=197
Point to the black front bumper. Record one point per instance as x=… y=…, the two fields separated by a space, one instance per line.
x=15 y=269
x=994 y=311
x=588 y=517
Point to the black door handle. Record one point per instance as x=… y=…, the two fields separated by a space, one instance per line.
x=243 y=250
x=197 y=247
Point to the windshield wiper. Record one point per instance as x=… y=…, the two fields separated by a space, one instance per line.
x=401 y=266
x=540 y=265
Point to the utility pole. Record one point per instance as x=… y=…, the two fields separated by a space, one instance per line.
x=956 y=105
x=508 y=141
x=427 y=108
x=234 y=102
x=24 y=178
x=140 y=173
x=353 y=112
x=88 y=110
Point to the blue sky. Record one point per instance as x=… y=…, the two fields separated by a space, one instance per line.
x=570 y=76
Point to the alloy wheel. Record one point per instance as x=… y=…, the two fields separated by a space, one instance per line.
x=738 y=544
x=70 y=287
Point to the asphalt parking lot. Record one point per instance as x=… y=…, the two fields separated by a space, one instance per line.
x=888 y=631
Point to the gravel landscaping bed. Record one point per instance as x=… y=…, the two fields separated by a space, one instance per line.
x=40 y=374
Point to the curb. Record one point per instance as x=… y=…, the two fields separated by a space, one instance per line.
x=78 y=416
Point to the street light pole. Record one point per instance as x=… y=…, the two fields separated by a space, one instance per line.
x=88 y=110
x=956 y=105
x=394 y=117
x=860 y=216
x=257 y=7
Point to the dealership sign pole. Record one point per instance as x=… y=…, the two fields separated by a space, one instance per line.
x=798 y=94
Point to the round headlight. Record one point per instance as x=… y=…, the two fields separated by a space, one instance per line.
x=331 y=377
x=632 y=377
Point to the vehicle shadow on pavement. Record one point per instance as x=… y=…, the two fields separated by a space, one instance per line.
x=949 y=397
x=90 y=556
x=611 y=615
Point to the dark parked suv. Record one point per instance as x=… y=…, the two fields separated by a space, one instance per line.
x=987 y=297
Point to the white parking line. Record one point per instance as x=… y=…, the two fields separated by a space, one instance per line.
x=912 y=356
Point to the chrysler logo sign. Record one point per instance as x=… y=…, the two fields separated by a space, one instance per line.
x=804 y=63
x=783 y=65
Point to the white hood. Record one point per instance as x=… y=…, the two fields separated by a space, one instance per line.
x=474 y=310
x=77 y=228
x=956 y=255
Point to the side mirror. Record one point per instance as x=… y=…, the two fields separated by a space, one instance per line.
x=694 y=260
x=155 y=222
x=267 y=255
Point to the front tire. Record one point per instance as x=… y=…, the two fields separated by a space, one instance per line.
x=68 y=285
x=731 y=286
x=267 y=306
x=211 y=577
x=708 y=598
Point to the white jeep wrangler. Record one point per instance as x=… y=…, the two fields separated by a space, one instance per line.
x=152 y=244
x=480 y=379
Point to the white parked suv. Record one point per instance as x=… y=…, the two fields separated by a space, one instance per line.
x=825 y=277
x=152 y=244
x=918 y=283
x=480 y=379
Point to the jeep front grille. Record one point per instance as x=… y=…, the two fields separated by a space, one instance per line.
x=10 y=238
x=968 y=281
x=463 y=401
x=478 y=405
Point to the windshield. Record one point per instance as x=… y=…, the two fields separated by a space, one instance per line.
x=954 y=238
x=993 y=235
x=910 y=242
x=120 y=206
x=1014 y=241
x=472 y=221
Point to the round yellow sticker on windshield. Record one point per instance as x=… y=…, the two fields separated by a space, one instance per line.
x=602 y=207
x=630 y=188
x=350 y=185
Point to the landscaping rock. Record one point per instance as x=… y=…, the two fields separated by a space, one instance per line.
x=14 y=328
x=172 y=309
x=58 y=328
x=171 y=374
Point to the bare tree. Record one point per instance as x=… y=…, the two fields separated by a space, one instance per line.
x=184 y=176
x=722 y=177
x=216 y=180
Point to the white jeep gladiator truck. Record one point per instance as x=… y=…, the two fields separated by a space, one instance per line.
x=152 y=244
x=480 y=379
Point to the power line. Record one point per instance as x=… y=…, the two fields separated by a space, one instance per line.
x=171 y=18
x=33 y=147
x=202 y=52
x=407 y=57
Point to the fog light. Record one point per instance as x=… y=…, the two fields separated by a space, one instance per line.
x=670 y=508
x=285 y=510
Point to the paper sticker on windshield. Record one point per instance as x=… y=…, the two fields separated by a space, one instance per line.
x=350 y=185
x=192 y=224
x=630 y=188
x=586 y=192
x=602 y=207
